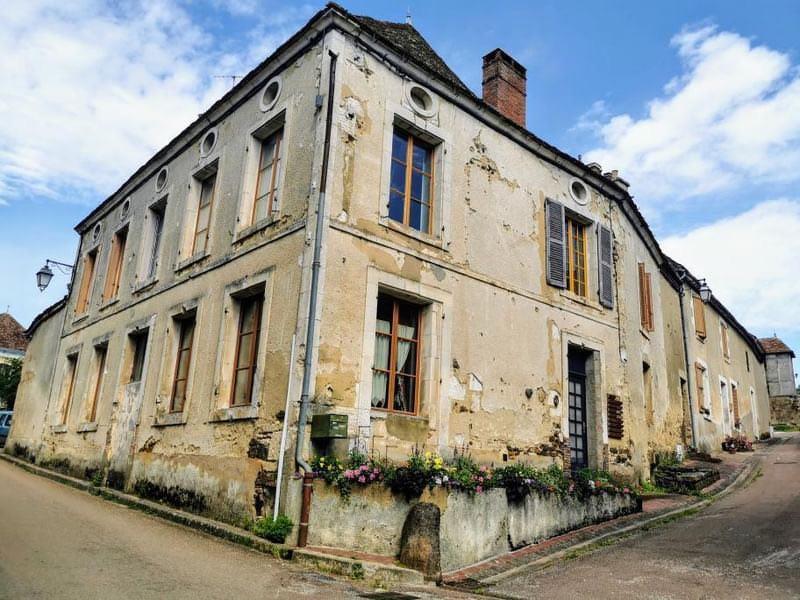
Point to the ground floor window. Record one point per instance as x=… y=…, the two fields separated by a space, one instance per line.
x=396 y=365
x=182 y=362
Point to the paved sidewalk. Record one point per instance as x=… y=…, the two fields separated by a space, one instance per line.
x=733 y=469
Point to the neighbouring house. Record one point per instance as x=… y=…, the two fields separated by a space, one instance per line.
x=352 y=238
x=12 y=338
x=781 y=381
x=12 y=348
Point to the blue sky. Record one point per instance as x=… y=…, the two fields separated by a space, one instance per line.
x=697 y=103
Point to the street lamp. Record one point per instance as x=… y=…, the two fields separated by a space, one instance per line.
x=705 y=291
x=45 y=274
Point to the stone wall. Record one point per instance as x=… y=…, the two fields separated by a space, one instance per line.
x=785 y=409
x=473 y=527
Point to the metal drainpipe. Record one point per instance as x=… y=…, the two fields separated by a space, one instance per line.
x=312 y=313
x=689 y=371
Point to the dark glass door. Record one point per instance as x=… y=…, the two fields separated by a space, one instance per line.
x=577 y=414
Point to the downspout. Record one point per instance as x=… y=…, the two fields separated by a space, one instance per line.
x=689 y=371
x=312 y=315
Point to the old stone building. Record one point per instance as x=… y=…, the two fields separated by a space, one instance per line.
x=352 y=231
x=781 y=381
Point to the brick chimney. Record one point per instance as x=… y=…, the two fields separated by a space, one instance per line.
x=504 y=83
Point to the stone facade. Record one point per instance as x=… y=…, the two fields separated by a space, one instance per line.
x=503 y=345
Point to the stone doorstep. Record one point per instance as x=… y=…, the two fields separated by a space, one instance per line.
x=357 y=565
x=547 y=551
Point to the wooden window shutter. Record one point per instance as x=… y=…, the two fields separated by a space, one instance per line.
x=725 y=348
x=605 y=270
x=556 y=246
x=642 y=297
x=735 y=394
x=699 y=373
x=648 y=286
x=616 y=425
x=699 y=316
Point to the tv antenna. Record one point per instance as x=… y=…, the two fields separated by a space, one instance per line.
x=233 y=78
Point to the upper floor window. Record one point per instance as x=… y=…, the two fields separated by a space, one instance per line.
x=699 y=317
x=204 y=208
x=411 y=182
x=576 y=256
x=115 y=263
x=182 y=362
x=723 y=331
x=87 y=278
x=269 y=164
x=247 y=338
x=396 y=367
x=156 y=215
x=645 y=298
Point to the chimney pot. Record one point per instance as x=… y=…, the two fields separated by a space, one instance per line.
x=505 y=85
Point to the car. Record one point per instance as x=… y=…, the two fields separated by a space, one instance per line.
x=5 y=425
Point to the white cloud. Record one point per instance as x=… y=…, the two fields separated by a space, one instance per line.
x=91 y=89
x=751 y=263
x=733 y=116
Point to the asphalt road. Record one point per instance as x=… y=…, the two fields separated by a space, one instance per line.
x=746 y=545
x=56 y=542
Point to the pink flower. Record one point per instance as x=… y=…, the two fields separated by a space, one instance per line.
x=362 y=479
x=376 y=471
x=480 y=479
x=479 y=489
x=626 y=490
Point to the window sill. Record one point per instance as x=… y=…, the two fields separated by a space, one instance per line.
x=111 y=302
x=87 y=427
x=700 y=339
x=381 y=415
x=582 y=300
x=188 y=262
x=145 y=285
x=80 y=318
x=425 y=238
x=58 y=429
x=708 y=418
x=645 y=333
x=234 y=413
x=253 y=229
x=170 y=419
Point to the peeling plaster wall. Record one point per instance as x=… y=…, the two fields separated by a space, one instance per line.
x=33 y=393
x=501 y=331
x=216 y=460
x=755 y=414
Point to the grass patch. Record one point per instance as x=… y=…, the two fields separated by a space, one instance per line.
x=785 y=427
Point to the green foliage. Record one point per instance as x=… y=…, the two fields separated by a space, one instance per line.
x=274 y=530
x=10 y=373
x=785 y=427
x=519 y=480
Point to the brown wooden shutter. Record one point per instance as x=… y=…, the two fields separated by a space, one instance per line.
x=556 y=246
x=735 y=394
x=649 y=290
x=699 y=317
x=605 y=256
x=616 y=426
x=725 y=349
x=698 y=374
x=642 y=296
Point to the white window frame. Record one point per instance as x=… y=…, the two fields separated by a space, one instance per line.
x=280 y=117
x=434 y=354
x=402 y=116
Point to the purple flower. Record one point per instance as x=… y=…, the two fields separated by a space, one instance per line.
x=362 y=479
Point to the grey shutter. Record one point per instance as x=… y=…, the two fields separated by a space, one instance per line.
x=556 y=244
x=605 y=266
